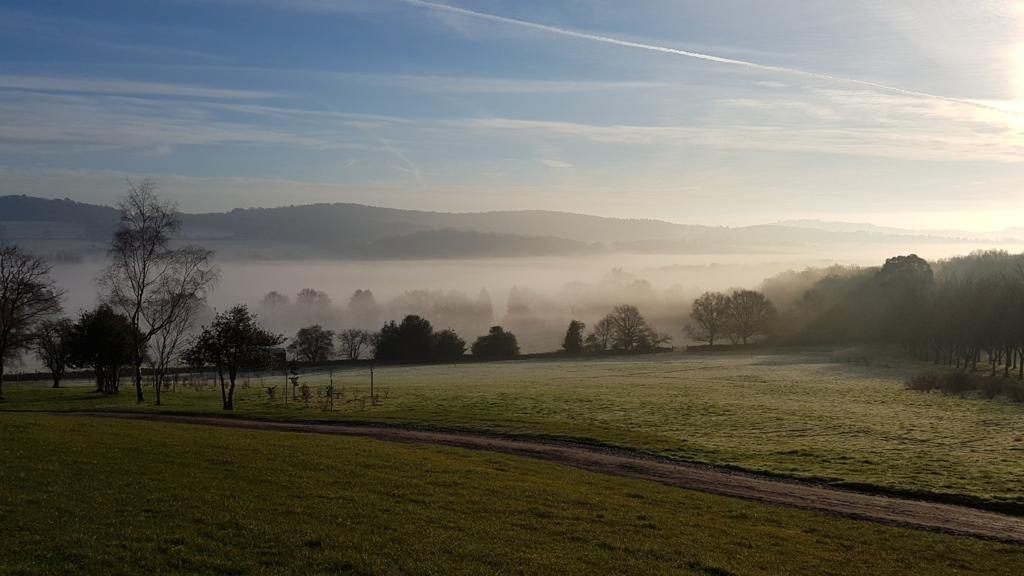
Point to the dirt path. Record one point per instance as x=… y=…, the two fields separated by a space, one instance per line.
x=889 y=510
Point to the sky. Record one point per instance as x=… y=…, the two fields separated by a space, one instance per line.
x=896 y=112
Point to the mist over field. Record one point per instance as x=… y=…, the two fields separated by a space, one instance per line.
x=554 y=289
x=532 y=270
x=493 y=287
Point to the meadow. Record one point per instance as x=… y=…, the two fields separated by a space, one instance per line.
x=84 y=495
x=826 y=415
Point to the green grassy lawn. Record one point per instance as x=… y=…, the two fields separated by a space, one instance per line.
x=89 y=496
x=796 y=414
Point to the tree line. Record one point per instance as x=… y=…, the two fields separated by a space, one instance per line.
x=965 y=312
x=414 y=339
x=310 y=306
x=151 y=290
x=624 y=329
x=740 y=316
x=153 y=293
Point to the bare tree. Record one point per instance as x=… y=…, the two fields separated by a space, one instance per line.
x=312 y=306
x=601 y=337
x=353 y=342
x=750 y=315
x=710 y=315
x=53 y=346
x=629 y=328
x=274 y=299
x=27 y=297
x=363 y=309
x=274 y=308
x=166 y=345
x=152 y=283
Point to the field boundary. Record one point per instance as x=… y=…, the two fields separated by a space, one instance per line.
x=886 y=509
x=346 y=364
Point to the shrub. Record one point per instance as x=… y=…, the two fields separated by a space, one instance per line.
x=1014 y=391
x=414 y=340
x=992 y=387
x=498 y=343
x=923 y=382
x=960 y=383
x=448 y=345
x=410 y=341
x=957 y=383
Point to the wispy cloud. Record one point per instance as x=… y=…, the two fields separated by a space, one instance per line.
x=686 y=53
x=835 y=121
x=45 y=123
x=124 y=87
x=353 y=119
x=405 y=164
x=478 y=85
x=553 y=163
x=783 y=126
x=333 y=6
x=772 y=126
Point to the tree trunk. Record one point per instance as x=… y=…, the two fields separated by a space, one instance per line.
x=229 y=404
x=112 y=380
x=157 y=385
x=56 y=379
x=138 y=381
x=1 y=379
x=223 y=390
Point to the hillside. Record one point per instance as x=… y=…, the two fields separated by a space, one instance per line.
x=354 y=231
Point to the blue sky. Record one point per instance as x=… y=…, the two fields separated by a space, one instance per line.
x=903 y=112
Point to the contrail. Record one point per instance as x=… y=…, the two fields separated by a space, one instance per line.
x=695 y=55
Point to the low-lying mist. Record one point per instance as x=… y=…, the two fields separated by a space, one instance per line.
x=534 y=297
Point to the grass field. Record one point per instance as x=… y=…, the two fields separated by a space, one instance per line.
x=806 y=415
x=79 y=495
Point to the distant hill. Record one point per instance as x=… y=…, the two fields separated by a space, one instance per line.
x=346 y=223
x=27 y=216
x=356 y=231
x=832 y=226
